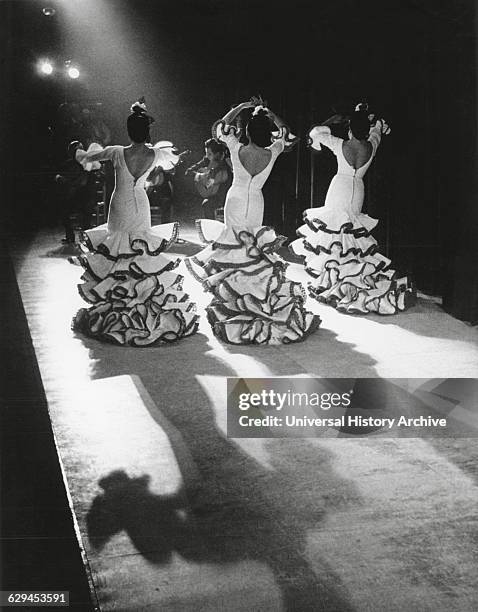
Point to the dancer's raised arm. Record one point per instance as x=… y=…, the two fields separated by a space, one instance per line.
x=232 y=114
x=335 y=120
x=321 y=135
x=278 y=122
x=377 y=130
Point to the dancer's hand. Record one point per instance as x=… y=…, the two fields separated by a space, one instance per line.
x=258 y=101
x=380 y=123
x=384 y=127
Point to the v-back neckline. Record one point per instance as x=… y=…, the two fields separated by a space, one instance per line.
x=135 y=178
x=347 y=161
x=245 y=169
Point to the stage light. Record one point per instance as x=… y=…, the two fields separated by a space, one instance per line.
x=48 y=11
x=46 y=67
x=73 y=73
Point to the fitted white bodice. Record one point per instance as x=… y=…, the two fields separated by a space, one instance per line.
x=129 y=209
x=129 y=206
x=244 y=201
x=346 y=190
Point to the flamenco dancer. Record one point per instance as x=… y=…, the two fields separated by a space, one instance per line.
x=137 y=298
x=341 y=256
x=253 y=302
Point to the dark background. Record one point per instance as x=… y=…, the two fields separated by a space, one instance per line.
x=412 y=60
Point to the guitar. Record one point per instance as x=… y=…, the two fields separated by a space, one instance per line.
x=203 y=180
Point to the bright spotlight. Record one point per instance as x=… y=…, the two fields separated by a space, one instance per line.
x=73 y=73
x=46 y=67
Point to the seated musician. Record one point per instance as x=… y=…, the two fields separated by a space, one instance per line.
x=212 y=177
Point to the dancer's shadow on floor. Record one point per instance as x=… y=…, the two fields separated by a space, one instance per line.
x=232 y=508
x=323 y=355
x=171 y=372
x=236 y=511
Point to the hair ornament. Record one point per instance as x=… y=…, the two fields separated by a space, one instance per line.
x=258 y=109
x=362 y=107
x=139 y=108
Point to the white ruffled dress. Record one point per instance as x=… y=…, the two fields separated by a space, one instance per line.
x=137 y=297
x=253 y=301
x=341 y=256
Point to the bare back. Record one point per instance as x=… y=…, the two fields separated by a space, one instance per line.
x=254 y=159
x=357 y=152
x=138 y=161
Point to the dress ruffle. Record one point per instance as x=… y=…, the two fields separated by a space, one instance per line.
x=82 y=156
x=126 y=245
x=253 y=302
x=137 y=298
x=166 y=155
x=346 y=269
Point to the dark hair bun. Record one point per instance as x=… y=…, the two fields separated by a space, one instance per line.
x=260 y=115
x=360 y=124
x=259 y=128
x=138 y=122
x=260 y=118
x=139 y=111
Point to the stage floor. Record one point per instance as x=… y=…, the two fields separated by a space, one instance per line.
x=173 y=515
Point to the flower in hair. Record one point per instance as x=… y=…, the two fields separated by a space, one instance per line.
x=140 y=107
x=361 y=107
x=139 y=104
x=259 y=108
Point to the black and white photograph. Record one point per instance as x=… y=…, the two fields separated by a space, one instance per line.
x=239 y=252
